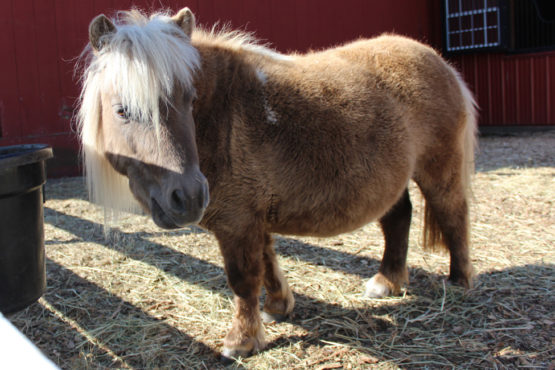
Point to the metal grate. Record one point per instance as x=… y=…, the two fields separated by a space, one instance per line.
x=533 y=24
x=472 y=24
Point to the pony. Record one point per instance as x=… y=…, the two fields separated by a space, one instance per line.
x=213 y=128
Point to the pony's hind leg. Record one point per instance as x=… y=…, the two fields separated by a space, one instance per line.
x=279 y=298
x=446 y=221
x=243 y=260
x=392 y=273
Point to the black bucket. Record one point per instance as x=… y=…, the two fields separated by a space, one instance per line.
x=22 y=264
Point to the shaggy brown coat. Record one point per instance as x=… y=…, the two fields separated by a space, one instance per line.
x=314 y=144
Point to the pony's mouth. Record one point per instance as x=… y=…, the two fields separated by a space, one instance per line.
x=172 y=220
x=161 y=218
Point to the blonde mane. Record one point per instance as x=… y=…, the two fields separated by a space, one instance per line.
x=226 y=37
x=141 y=62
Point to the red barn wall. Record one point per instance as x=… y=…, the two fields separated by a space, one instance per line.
x=511 y=89
x=40 y=40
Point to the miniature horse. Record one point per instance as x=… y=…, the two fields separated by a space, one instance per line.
x=314 y=144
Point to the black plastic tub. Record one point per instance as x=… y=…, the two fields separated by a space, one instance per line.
x=22 y=265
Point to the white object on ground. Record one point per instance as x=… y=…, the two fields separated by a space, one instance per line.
x=18 y=352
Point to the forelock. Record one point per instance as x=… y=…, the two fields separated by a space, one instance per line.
x=143 y=61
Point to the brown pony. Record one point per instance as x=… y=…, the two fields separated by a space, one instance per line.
x=314 y=144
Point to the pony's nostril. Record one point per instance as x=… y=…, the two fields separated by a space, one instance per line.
x=179 y=200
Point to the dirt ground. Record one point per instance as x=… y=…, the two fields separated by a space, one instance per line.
x=148 y=298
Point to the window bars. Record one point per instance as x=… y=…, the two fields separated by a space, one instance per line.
x=508 y=25
x=472 y=24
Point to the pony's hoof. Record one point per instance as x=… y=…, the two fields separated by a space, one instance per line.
x=378 y=287
x=229 y=355
x=273 y=317
x=234 y=349
x=462 y=277
x=278 y=309
x=461 y=281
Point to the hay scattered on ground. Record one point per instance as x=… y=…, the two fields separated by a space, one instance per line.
x=151 y=298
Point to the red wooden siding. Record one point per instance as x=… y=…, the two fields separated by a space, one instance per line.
x=301 y=25
x=40 y=40
x=512 y=89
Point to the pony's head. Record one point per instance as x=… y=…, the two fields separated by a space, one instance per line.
x=135 y=118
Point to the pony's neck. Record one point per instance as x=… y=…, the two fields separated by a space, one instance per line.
x=224 y=74
x=226 y=78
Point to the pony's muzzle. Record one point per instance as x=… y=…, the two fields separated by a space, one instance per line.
x=187 y=197
x=181 y=202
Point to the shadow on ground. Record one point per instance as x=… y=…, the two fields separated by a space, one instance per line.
x=508 y=309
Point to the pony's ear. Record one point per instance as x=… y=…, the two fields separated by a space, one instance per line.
x=99 y=28
x=185 y=19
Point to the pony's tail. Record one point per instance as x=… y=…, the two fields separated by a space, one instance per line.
x=432 y=235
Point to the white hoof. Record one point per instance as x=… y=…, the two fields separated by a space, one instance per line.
x=376 y=288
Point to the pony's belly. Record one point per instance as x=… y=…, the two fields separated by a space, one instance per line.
x=329 y=220
x=340 y=206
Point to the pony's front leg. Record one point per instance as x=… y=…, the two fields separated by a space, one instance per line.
x=244 y=268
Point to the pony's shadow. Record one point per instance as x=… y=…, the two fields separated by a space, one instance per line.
x=212 y=277
x=315 y=319
x=77 y=299
x=198 y=271
x=333 y=259
x=463 y=319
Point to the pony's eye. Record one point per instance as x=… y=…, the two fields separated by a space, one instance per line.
x=122 y=113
